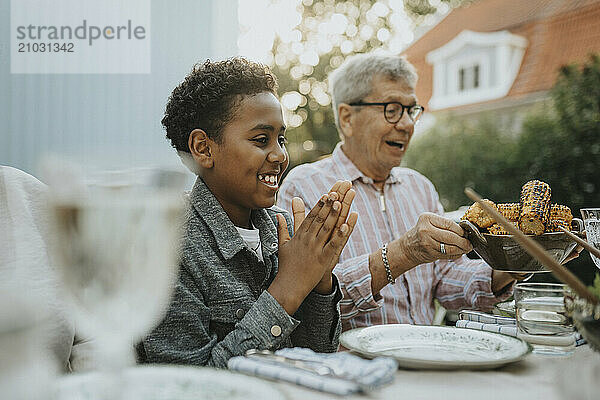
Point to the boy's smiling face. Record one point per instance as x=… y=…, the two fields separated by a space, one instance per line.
x=251 y=158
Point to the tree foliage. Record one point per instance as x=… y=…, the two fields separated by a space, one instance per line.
x=457 y=153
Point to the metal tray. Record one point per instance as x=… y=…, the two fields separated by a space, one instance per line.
x=503 y=253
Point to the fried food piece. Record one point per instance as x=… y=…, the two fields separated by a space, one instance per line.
x=561 y=212
x=555 y=225
x=510 y=211
x=478 y=216
x=535 y=207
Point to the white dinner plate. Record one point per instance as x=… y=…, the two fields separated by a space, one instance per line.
x=165 y=382
x=436 y=347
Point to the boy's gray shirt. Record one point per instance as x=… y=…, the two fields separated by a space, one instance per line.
x=221 y=307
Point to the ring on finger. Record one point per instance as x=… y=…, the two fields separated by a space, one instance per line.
x=442 y=248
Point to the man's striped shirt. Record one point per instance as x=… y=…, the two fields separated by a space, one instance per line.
x=383 y=217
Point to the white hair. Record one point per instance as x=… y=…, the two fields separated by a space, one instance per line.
x=351 y=82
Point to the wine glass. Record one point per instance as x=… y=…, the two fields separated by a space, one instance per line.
x=114 y=244
x=591 y=220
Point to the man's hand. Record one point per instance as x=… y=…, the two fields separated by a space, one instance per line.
x=421 y=244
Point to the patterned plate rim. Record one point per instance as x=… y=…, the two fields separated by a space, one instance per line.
x=419 y=363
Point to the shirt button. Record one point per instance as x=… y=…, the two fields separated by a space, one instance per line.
x=273 y=245
x=239 y=313
x=276 y=330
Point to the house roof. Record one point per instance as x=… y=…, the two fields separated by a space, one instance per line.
x=558 y=32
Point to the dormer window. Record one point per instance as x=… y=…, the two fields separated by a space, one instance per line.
x=475 y=67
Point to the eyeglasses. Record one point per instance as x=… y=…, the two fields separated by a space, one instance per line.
x=393 y=111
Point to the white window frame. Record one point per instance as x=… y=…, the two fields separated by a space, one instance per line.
x=466 y=62
x=509 y=50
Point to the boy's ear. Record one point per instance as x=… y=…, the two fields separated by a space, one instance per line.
x=345 y=119
x=199 y=144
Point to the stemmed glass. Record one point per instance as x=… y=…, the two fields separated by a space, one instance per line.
x=591 y=220
x=114 y=245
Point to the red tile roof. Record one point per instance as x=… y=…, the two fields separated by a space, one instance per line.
x=559 y=32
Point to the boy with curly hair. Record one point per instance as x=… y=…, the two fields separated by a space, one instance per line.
x=243 y=283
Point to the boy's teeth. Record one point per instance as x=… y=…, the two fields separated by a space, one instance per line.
x=270 y=179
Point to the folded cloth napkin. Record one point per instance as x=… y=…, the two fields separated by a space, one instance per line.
x=508 y=326
x=485 y=318
x=345 y=373
x=510 y=330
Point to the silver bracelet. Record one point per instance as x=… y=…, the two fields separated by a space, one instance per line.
x=386 y=264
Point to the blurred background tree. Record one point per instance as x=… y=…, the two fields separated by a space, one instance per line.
x=328 y=32
x=457 y=152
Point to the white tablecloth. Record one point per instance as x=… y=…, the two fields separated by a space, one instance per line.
x=536 y=377
x=574 y=377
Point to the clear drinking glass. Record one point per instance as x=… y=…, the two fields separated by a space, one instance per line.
x=542 y=319
x=114 y=245
x=591 y=221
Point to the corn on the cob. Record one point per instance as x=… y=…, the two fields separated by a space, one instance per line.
x=510 y=211
x=535 y=207
x=553 y=225
x=497 y=229
x=478 y=216
x=560 y=212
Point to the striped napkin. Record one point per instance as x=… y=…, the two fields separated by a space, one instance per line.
x=508 y=326
x=353 y=374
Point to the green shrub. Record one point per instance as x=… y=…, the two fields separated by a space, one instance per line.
x=457 y=153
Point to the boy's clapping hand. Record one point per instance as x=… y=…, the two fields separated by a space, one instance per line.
x=307 y=260
x=346 y=196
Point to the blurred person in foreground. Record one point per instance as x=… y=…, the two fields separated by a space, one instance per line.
x=404 y=254
x=243 y=283
x=29 y=280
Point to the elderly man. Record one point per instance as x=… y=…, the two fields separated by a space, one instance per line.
x=403 y=253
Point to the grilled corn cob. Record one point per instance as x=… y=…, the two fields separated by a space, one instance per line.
x=553 y=226
x=510 y=211
x=535 y=207
x=560 y=212
x=478 y=216
x=497 y=229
